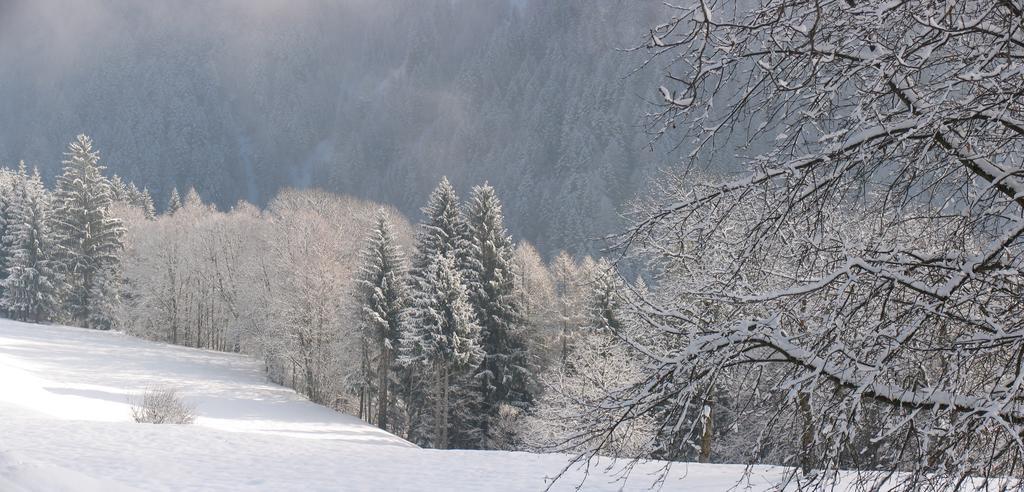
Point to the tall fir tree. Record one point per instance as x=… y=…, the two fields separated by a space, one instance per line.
x=145 y=202
x=7 y=179
x=119 y=191
x=443 y=346
x=174 y=203
x=382 y=299
x=604 y=306
x=88 y=237
x=32 y=287
x=505 y=375
x=442 y=233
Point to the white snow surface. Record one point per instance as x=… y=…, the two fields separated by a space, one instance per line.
x=65 y=424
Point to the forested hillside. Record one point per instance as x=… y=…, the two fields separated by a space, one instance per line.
x=375 y=99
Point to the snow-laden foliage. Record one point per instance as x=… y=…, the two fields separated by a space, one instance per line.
x=161 y=405
x=33 y=285
x=381 y=300
x=587 y=371
x=863 y=279
x=278 y=284
x=442 y=345
x=88 y=237
x=505 y=375
x=174 y=202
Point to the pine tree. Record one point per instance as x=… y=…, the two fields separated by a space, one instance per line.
x=119 y=191
x=604 y=302
x=192 y=199
x=174 y=204
x=88 y=238
x=442 y=233
x=382 y=298
x=7 y=180
x=442 y=344
x=505 y=376
x=32 y=286
x=145 y=201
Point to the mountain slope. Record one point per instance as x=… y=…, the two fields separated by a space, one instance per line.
x=375 y=99
x=65 y=424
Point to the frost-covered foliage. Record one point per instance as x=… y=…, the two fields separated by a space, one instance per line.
x=161 y=406
x=278 y=284
x=442 y=345
x=381 y=301
x=88 y=238
x=34 y=284
x=588 y=370
x=505 y=375
x=316 y=286
x=861 y=283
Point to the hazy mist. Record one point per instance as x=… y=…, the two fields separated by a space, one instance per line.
x=376 y=99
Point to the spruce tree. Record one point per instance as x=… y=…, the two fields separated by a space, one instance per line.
x=88 y=238
x=145 y=201
x=442 y=233
x=192 y=199
x=119 y=191
x=174 y=203
x=443 y=346
x=31 y=289
x=505 y=376
x=7 y=180
x=382 y=298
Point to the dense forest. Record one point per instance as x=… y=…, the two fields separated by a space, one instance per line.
x=373 y=99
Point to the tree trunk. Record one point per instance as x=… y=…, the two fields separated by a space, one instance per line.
x=441 y=421
x=807 y=435
x=707 y=433
x=383 y=403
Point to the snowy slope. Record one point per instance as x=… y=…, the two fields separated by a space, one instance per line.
x=65 y=425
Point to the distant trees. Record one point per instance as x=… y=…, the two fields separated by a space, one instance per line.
x=174 y=202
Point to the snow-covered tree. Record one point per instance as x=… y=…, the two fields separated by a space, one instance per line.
x=174 y=202
x=145 y=202
x=906 y=114
x=505 y=375
x=441 y=233
x=442 y=345
x=33 y=284
x=535 y=289
x=601 y=363
x=571 y=291
x=7 y=180
x=88 y=238
x=119 y=190
x=381 y=299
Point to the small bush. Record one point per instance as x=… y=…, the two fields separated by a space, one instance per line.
x=162 y=406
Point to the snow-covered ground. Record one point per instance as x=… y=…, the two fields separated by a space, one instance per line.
x=65 y=425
